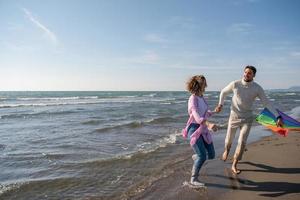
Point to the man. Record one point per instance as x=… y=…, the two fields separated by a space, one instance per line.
x=244 y=93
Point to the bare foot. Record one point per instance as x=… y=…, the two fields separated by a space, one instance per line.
x=224 y=156
x=235 y=170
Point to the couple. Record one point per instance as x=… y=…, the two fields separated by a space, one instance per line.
x=198 y=128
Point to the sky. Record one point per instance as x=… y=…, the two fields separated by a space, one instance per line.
x=148 y=45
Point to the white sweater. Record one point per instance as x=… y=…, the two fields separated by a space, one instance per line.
x=244 y=94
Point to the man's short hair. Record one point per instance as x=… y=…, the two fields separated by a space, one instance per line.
x=252 y=68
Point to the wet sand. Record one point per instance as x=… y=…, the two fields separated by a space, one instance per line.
x=270 y=169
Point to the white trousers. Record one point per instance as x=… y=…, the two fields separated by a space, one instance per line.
x=244 y=125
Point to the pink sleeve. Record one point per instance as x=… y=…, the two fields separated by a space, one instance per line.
x=194 y=110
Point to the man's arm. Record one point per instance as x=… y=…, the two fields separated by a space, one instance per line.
x=265 y=101
x=228 y=89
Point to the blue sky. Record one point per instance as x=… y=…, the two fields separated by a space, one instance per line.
x=146 y=44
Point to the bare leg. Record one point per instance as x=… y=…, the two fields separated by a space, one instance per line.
x=244 y=132
x=231 y=130
x=234 y=167
x=225 y=155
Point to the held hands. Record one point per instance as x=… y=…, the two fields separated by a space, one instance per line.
x=211 y=126
x=279 y=122
x=218 y=108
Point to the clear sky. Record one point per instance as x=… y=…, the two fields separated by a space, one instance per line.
x=146 y=44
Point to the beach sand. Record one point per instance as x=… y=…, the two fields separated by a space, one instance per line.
x=270 y=169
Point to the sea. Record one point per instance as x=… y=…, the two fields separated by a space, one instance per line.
x=100 y=144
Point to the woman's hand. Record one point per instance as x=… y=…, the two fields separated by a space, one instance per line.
x=211 y=126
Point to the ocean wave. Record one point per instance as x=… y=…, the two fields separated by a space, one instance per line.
x=166 y=103
x=31 y=115
x=126 y=96
x=38 y=188
x=92 y=122
x=133 y=124
x=295 y=112
x=8 y=187
x=141 y=149
x=56 y=98
x=162 y=120
x=160 y=143
x=44 y=104
x=55 y=156
x=180 y=102
x=86 y=102
x=2 y=146
x=291 y=94
x=150 y=95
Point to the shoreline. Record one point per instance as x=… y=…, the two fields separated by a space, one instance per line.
x=270 y=169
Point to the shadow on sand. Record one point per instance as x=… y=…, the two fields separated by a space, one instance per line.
x=270 y=169
x=267 y=188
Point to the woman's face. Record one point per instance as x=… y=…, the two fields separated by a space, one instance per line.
x=203 y=84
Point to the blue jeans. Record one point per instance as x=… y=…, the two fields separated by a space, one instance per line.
x=202 y=149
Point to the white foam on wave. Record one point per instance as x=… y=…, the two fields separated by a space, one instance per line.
x=291 y=94
x=150 y=95
x=295 y=112
x=148 y=147
x=46 y=104
x=60 y=101
x=6 y=188
x=166 y=103
x=56 y=98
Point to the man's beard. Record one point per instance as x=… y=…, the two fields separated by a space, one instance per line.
x=247 y=80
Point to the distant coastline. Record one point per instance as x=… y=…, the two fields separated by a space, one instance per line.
x=290 y=89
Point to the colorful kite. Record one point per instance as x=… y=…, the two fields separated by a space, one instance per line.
x=268 y=119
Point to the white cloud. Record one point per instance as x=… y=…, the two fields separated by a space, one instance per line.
x=14 y=27
x=154 y=38
x=149 y=57
x=18 y=46
x=244 y=28
x=295 y=54
x=41 y=26
x=186 y=23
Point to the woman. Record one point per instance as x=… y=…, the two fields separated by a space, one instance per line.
x=197 y=130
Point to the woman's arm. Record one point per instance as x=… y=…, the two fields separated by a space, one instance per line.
x=194 y=110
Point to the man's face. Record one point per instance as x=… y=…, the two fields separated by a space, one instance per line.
x=248 y=75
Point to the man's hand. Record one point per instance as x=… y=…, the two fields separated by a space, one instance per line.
x=279 y=122
x=218 y=108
